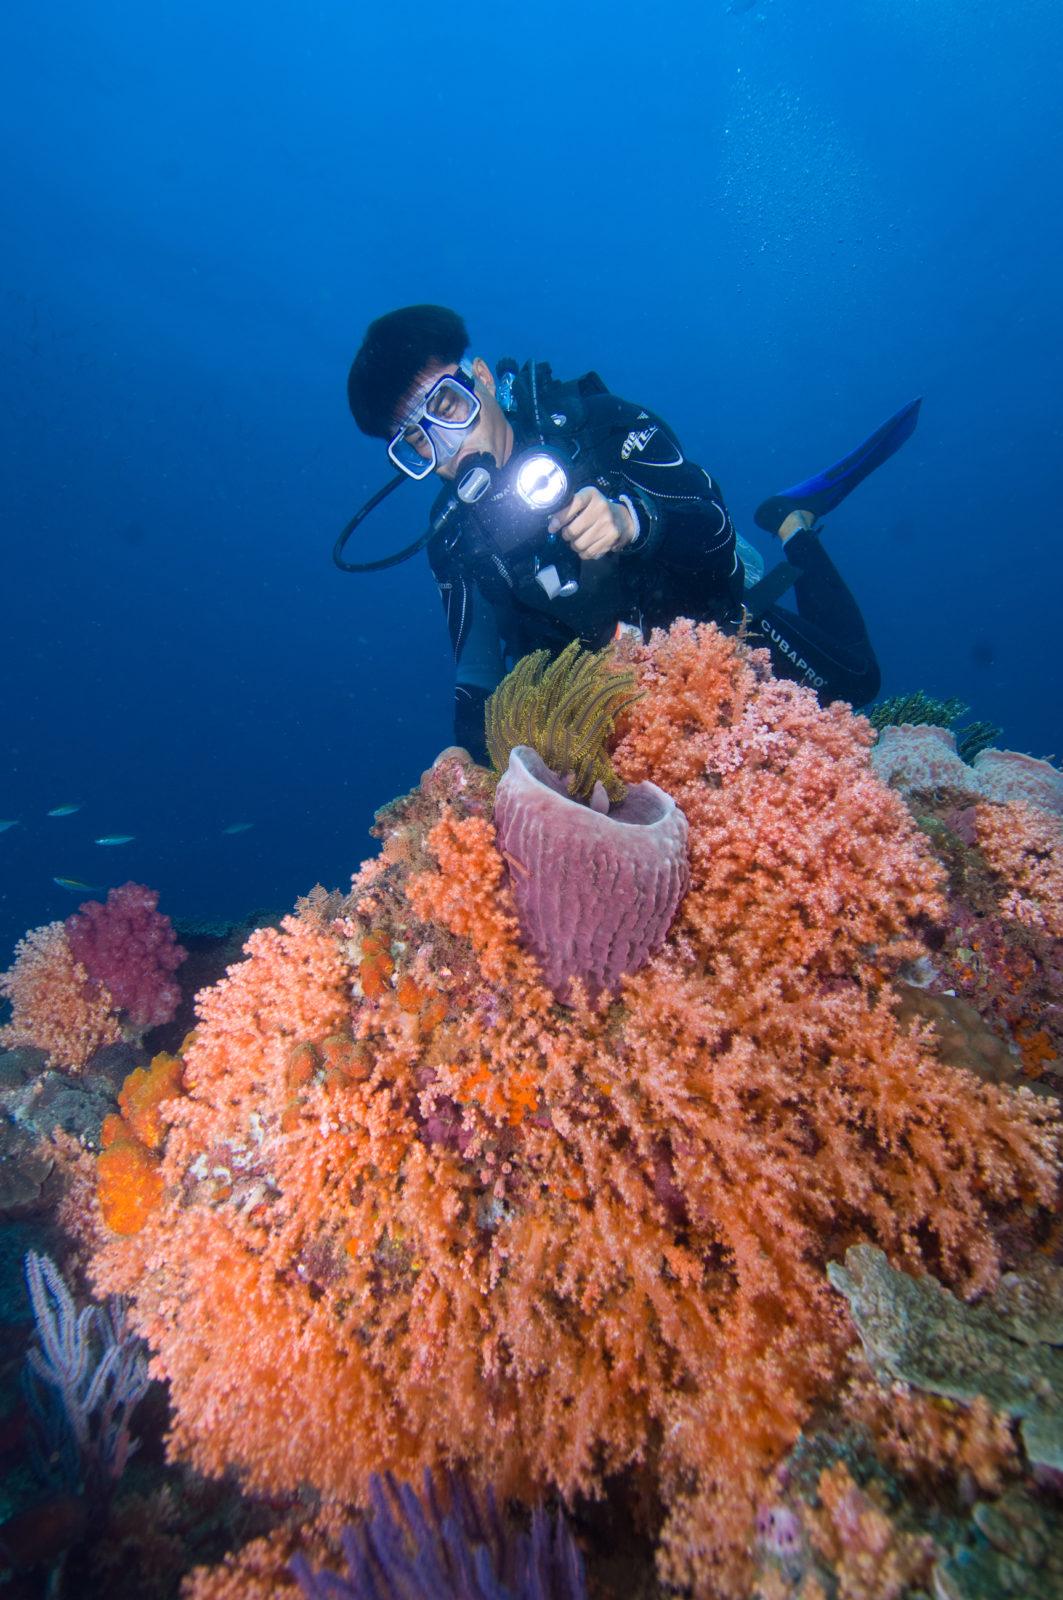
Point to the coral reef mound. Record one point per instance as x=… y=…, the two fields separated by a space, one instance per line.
x=414 y=1213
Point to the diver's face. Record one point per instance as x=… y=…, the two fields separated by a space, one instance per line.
x=492 y=434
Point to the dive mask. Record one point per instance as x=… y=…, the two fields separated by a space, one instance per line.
x=437 y=428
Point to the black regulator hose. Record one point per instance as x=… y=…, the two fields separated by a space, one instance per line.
x=358 y=518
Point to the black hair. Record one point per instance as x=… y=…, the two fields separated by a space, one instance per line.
x=396 y=348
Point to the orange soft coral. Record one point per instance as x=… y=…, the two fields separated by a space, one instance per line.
x=562 y=1242
x=54 y=1006
x=928 y=1438
x=130 y=1183
x=803 y=861
x=463 y=896
x=294 y=987
x=852 y=1531
x=142 y=1095
x=129 y=1173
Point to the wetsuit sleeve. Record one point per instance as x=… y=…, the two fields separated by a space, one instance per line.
x=683 y=520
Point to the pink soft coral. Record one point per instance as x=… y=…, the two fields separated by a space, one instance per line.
x=54 y=1005
x=128 y=947
x=1024 y=847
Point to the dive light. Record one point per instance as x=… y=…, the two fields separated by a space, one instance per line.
x=512 y=507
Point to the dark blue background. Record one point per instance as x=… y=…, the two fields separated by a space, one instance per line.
x=774 y=227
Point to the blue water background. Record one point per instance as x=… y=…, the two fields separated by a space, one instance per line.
x=773 y=226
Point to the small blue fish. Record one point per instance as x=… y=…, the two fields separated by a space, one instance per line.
x=116 y=838
x=76 y=886
x=66 y=811
x=5 y=825
x=238 y=827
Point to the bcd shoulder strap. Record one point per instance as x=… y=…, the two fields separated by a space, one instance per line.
x=539 y=397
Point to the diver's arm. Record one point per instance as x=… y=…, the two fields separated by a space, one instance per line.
x=470 y=709
x=478 y=659
x=683 y=520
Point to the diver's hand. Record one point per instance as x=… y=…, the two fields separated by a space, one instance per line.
x=593 y=525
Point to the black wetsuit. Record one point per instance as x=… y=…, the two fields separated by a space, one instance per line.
x=682 y=562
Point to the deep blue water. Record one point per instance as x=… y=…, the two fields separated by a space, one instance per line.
x=774 y=227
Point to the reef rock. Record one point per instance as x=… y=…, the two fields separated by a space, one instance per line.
x=916 y=1330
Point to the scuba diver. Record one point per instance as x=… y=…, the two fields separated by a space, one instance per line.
x=566 y=512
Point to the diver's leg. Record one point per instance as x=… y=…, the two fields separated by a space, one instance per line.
x=824 y=599
x=826 y=643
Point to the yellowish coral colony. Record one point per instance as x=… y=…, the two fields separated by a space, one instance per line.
x=396 y=1206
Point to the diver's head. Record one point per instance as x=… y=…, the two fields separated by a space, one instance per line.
x=448 y=414
x=411 y=384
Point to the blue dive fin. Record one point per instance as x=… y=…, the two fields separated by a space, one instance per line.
x=830 y=487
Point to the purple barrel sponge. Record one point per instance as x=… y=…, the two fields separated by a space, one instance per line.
x=596 y=887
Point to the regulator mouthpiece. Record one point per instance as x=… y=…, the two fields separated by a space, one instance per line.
x=474 y=485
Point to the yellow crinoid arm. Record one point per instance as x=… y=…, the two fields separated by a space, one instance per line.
x=566 y=711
